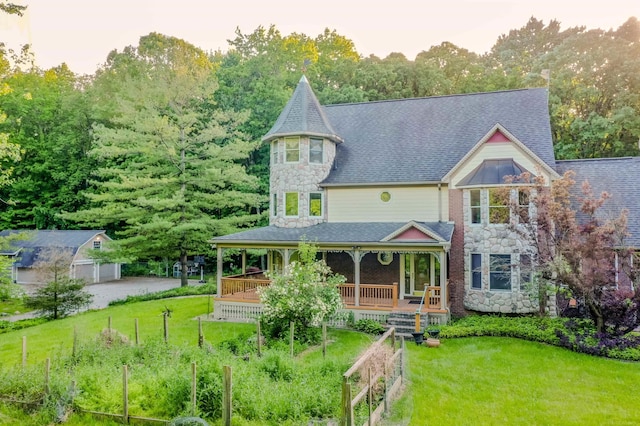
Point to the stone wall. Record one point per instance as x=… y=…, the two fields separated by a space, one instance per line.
x=302 y=178
x=487 y=239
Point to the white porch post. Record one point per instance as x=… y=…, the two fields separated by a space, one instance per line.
x=219 y=272
x=286 y=258
x=443 y=280
x=356 y=262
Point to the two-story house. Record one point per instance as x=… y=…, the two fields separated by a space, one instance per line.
x=400 y=197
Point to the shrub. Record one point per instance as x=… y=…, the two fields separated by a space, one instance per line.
x=305 y=293
x=369 y=326
x=59 y=298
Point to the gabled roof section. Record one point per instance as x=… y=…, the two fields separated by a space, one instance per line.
x=414 y=231
x=303 y=115
x=619 y=177
x=497 y=132
x=493 y=172
x=421 y=140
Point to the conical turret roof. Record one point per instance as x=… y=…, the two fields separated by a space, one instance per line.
x=303 y=115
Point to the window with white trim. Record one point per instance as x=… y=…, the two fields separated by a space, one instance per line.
x=274 y=205
x=274 y=152
x=476 y=208
x=315 y=151
x=292 y=149
x=500 y=272
x=315 y=204
x=97 y=245
x=498 y=210
x=476 y=271
x=526 y=270
x=291 y=204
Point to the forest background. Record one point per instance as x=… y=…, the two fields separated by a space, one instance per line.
x=165 y=114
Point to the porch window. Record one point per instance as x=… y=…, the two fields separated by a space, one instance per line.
x=315 y=151
x=291 y=204
x=292 y=149
x=315 y=204
x=474 y=196
x=476 y=271
x=274 y=152
x=498 y=211
x=500 y=272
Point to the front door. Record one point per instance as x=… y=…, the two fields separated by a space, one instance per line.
x=420 y=270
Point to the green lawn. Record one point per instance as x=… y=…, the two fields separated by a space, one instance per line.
x=499 y=381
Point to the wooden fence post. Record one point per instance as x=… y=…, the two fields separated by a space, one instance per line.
x=125 y=395
x=370 y=399
x=166 y=327
x=347 y=412
x=259 y=331
x=137 y=332
x=200 y=335
x=47 y=370
x=291 y=329
x=75 y=341
x=227 y=401
x=193 y=388
x=24 y=351
x=324 y=340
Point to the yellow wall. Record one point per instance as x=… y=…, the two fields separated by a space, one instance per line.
x=363 y=204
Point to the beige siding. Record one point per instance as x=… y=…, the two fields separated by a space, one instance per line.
x=420 y=203
x=496 y=150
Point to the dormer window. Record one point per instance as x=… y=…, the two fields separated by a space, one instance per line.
x=315 y=151
x=292 y=149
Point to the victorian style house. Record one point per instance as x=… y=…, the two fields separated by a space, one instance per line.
x=400 y=197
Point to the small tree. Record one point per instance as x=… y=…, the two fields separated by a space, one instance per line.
x=305 y=293
x=62 y=294
x=577 y=252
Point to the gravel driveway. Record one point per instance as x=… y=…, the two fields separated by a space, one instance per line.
x=113 y=290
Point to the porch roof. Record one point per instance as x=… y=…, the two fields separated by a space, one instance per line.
x=344 y=234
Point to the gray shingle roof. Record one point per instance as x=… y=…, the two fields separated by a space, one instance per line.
x=302 y=115
x=620 y=177
x=65 y=239
x=420 y=140
x=360 y=232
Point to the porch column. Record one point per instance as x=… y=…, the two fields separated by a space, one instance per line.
x=286 y=258
x=443 y=280
x=244 y=262
x=356 y=262
x=219 y=271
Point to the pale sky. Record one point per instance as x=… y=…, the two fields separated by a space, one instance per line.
x=82 y=32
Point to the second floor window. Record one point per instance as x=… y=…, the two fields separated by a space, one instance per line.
x=498 y=209
x=315 y=204
x=274 y=153
x=476 y=211
x=292 y=149
x=315 y=151
x=291 y=204
x=97 y=244
x=274 y=204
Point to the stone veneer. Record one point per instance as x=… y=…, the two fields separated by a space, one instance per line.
x=487 y=239
x=302 y=178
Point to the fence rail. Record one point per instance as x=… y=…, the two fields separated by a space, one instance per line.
x=391 y=376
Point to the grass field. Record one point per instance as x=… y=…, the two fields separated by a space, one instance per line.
x=505 y=381
x=466 y=381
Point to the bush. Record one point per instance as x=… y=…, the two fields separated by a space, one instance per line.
x=369 y=326
x=59 y=298
x=578 y=335
x=305 y=293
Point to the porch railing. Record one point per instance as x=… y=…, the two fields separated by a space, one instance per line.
x=371 y=295
x=434 y=295
x=243 y=286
